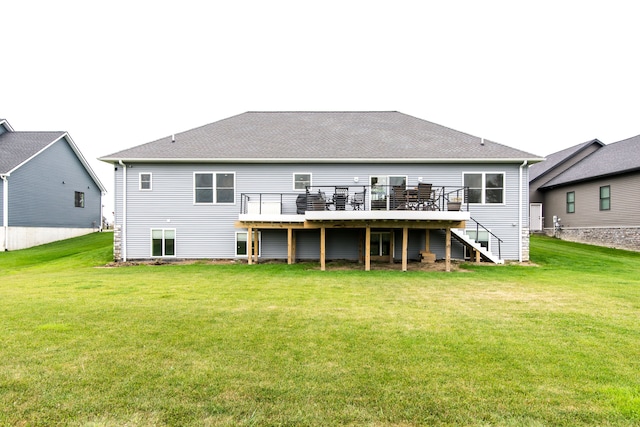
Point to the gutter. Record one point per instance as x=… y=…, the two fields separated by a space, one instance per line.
x=520 y=197
x=280 y=160
x=123 y=236
x=5 y=209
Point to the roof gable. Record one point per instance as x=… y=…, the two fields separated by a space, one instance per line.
x=322 y=137
x=613 y=159
x=17 y=148
x=558 y=158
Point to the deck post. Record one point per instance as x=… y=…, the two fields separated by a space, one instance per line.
x=405 y=245
x=392 y=243
x=255 y=245
x=367 y=249
x=323 y=232
x=289 y=245
x=427 y=243
x=249 y=245
x=447 y=256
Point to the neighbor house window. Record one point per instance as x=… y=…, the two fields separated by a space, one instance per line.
x=79 y=199
x=605 y=198
x=163 y=242
x=145 y=181
x=485 y=187
x=241 y=243
x=571 y=202
x=301 y=181
x=212 y=188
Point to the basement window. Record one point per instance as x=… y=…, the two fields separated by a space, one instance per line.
x=163 y=242
x=242 y=243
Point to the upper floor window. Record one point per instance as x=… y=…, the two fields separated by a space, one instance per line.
x=301 y=181
x=79 y=199
x=485 y=187
x=218 y=187
x=145 y=181
x=605 y=198
x=571 y=202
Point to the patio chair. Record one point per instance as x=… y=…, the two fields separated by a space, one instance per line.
x=398 y=197
x=357 y=201
x=340 y=198
x=425 y=197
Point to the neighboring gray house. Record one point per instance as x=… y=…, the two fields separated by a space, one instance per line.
x=543 y=172
x=596 y=197
x=321 y=185
x=48 y=191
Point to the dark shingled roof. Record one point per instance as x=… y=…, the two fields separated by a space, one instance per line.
x=18 y=147
x=321 y=136
x=613 y=159
x=553 y=160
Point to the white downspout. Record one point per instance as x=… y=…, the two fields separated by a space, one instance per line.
x=520 y=197
x=123 y=235
x=5 y=210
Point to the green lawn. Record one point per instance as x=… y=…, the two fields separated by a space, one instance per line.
x=216 y=345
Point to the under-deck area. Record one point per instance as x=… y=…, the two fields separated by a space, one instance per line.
x=365 y=221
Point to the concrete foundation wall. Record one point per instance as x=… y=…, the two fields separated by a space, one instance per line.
x=26 y=237
x=614 y=237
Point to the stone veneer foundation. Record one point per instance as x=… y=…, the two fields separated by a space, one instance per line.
x=614 y=237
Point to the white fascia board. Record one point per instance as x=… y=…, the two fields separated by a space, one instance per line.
x=324 y=160
x=6 y=124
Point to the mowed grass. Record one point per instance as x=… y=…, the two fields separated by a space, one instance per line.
x=216 y=345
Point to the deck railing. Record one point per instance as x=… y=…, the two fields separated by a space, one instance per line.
x=355 y=197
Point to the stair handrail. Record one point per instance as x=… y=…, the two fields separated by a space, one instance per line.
x=478 y=225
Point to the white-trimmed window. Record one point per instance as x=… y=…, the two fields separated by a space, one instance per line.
x=145 y=181
x=214 y=187
x=485 y=187
x=242 y=243
x=163 y=242
x=301 y=181
x=480 y=236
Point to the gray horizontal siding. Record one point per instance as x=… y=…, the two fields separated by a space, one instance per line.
x=625 y=203
x=42 y=191
x=207 y=231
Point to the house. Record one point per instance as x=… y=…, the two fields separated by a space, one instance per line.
x=543 y=172
x=48 y=191
x=591 y=190
x=321 y=185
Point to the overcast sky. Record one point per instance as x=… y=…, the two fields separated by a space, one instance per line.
x=539 y=76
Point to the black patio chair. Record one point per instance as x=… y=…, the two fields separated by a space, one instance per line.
x=340 y=198
x=357 y=201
